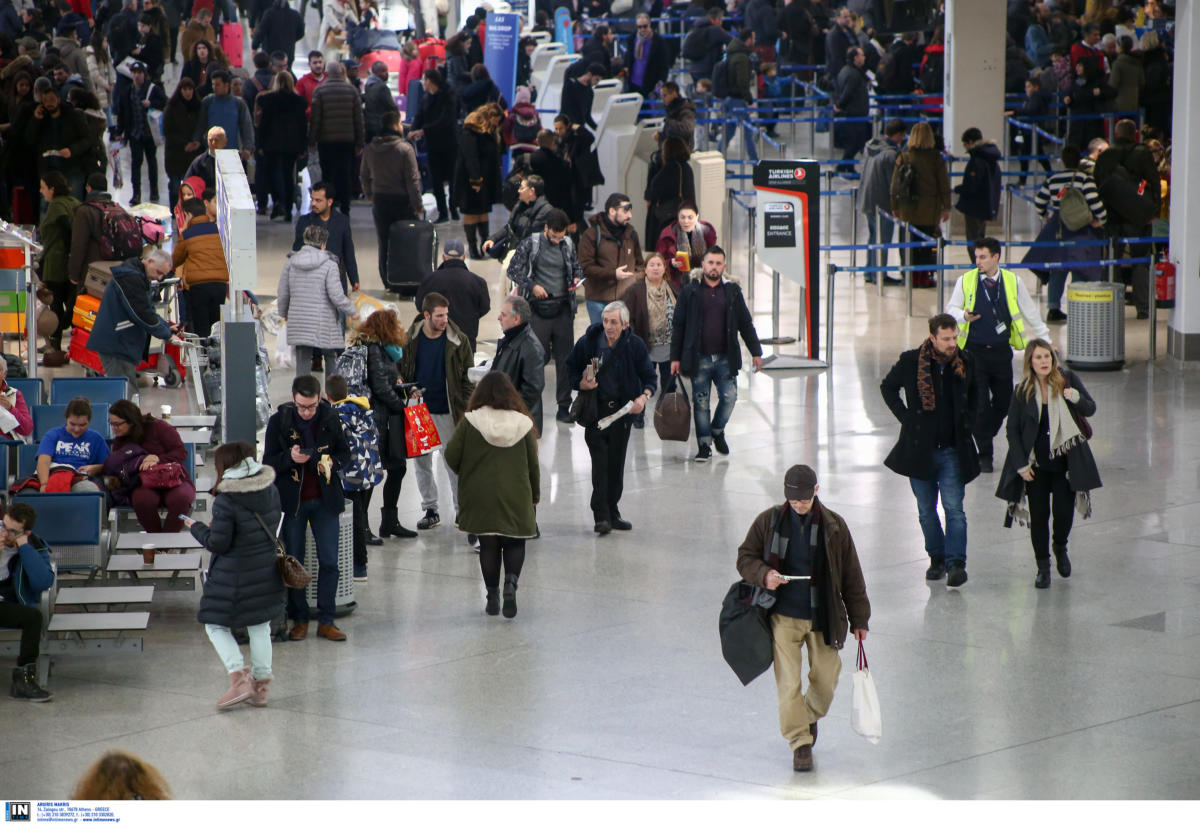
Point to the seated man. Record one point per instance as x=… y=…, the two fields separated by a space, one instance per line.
x=25 y=573
x=74 y=447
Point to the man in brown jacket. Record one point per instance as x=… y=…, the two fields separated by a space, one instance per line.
x=391 y=180
x=336 y=129
x=610 y=254
x=807 y=550
x=87 y=228
x=198 y=28
x=205 y=274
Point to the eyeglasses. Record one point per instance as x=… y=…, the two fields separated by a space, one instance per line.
x=113 y=424
x=643 y=25
x=5 y=530
x=308 y=407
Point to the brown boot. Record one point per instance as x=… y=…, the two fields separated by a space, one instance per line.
x=259 y=699
x=299 y=631
x=240 y=689
x=802 y=760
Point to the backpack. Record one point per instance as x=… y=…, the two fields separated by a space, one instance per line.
x=932 y=79
x=1073 y=210
x=903 y=189
x=695 y=45
x=720 y=79
x=525 y=130
x=352 y=365
x=120 y=233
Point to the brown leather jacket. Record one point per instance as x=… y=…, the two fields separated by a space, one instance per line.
x=600 y=258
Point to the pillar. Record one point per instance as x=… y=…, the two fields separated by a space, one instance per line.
x=1183 y=325
x=974 y=80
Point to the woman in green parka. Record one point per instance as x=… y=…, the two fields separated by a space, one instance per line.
x=55 y=235
x=494 y=454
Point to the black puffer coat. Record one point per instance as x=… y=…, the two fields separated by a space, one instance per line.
x=478 y=162
x=243 y=587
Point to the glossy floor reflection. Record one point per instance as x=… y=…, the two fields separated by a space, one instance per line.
x=610 y=683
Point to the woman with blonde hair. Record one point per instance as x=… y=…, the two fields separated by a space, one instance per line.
x=121 y=776
x=1049 y=461
x=929 y=206
x=477 y=174
x=651 y=305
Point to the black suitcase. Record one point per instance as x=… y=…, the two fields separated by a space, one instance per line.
x=412 y=254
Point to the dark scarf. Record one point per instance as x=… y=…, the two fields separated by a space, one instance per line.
x=925 y=357
x=307 y=430
x=617 y=231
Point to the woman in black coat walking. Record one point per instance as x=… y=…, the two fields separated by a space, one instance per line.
x=477 y=176
x=179 y=124
x=436 y=122
x=668 y=186
x=243 y=587
x=282 y=140
x=1049 y=460
x=1087 y=96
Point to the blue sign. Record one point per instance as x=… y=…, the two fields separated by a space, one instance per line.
x=562 y=29
x=500 y=51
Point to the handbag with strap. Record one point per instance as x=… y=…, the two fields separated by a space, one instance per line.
x=290 y=569
x=673 y=415
x=585 y=409
x=163 y=475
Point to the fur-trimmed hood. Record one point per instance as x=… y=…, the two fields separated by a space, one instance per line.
x=500 y=427
x=260 y=480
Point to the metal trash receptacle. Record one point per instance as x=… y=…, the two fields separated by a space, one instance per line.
x=343 y=600
x=1096 y=330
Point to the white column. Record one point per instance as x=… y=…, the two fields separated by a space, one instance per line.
x=1183 y=327
x=974 y=81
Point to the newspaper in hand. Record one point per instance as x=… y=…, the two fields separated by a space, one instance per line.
x=606 y=422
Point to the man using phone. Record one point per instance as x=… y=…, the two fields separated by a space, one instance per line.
x=25 y=573
x=801 y=538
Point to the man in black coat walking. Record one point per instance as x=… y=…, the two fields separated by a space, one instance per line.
x=936 y=449
x=467 y=292
x=519 y=354
x=279 y=30
x=436 y=121
x=851 y=98
x=577 y=94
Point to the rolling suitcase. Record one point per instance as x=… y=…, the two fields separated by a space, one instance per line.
x=412 y=252
x=99 y=273
x=231 y=42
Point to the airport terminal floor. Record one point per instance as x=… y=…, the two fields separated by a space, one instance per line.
x=610 y=682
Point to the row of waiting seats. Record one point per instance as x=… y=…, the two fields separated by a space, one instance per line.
x=96 y=390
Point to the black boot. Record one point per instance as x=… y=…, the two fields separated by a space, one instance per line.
x=1061 y=560
x=510 y=596
x=483 y=230
x=390 y=525
x=493 y=601
x=472 y=241
x=25 y=686
x=1042 y=581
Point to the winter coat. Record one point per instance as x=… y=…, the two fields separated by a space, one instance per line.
x=245 y=130
x=410 y=70
x=193 y=33
x=283 y=126
x=243 y=586
x=841 y=590
x=101 y=77
x=520 y=266
x=179 y=125
x=386 y=401
x=851 y=94
x=557 y=174
x=1024 y=417
x=668 y=245
x=124 y=462
x=69 y=130
x=55 y=235
x=337 y=115
x=1127 y=77
x=673 y=183
x=526 y=219
x=577 y=102
x=468 y=293
x=912 y=455
x=377 y=101
x=478 y=164
x=761 y=17
x=459 y=358
x=32 y=575
x=628 y=373
x=87 y=229
x=685 y=337
x=494 y=454
x=639 y=311
x=979 y=192
x=364 y=471
x=279 y=30
x=519 y=354
x=74 y=58
x=132 y=116
x=126 y=318
x=523 y=116
x=715 y=38
x=880 y=161
x=932 y=188
x=680 y=121
x=20 y=411
x=480 y=92
x=201 y=74
x=201 y=254
x=437 y=116
x=281 y=435
x=741 y=73
x=602 y=250
x=310 y=298
x=340 y=245
x=389 y=167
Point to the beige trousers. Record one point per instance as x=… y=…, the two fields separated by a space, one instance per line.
x=798 y=709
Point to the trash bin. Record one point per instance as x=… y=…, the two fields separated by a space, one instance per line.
x=343 y=600
x=1096 y=331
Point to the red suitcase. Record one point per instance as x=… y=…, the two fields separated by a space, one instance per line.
x=393 y=59
x=231 y=42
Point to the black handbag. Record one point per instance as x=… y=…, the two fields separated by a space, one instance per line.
x=747 y=643
x=397 y=448
x=585 y=409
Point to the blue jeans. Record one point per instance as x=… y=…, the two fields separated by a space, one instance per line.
x=325 y=531
x=737 y=110
x=949 y=546
x=712 y=369
x=595 y=310
x=886 y=227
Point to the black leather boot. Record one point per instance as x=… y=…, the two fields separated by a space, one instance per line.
x=1061 y=560
x=493 y=601
x=25 y=686
x=389 y=524
x=510 y=596
x=1042 y=581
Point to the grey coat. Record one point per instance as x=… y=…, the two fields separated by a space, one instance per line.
x=880 y=162
x=243 y=587
x=310 y=298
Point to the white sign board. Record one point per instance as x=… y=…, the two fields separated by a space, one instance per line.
x=236 y=221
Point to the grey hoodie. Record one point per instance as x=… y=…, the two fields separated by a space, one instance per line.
x=74 y=58
x=880 y=154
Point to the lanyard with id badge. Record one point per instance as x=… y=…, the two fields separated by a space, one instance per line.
x=1001 y=326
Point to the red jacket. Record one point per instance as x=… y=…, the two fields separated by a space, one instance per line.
x=1081 y=50
x=19 y=411
x=411 y=70
x=305 y=87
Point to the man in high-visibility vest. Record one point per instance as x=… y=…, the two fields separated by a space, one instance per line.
x=995 y=315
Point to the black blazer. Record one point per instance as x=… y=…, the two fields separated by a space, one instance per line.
x=1024 y=415
x=912 y=455
x=685 y=337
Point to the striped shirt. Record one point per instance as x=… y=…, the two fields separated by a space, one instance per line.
x=1047 y=197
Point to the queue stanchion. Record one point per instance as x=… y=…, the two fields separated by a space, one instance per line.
x=812 y=128
x=831 y=272
x=1112 y=255
x=751 y=219
x=908 y=272
x=880 y=254
x=776 y=300
x=729 y=219
x=941 y=275
x=1152 y=300
x=853 y=227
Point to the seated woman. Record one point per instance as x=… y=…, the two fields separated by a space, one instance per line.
x=684 y=241
x=16 y=423
x=73 y=446
x=140 y=443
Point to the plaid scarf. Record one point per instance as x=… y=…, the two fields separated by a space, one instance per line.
x=925 y=357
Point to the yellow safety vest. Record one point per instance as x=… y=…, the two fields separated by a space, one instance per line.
x=970 y=287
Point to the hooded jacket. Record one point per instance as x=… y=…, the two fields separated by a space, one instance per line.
x=32 y=573
x=459 y=358
x=603 y=249
x=979 y=192
x=880 y=161
x=201 y=253
x=126 y=318
x=741 y=75
x=494 y=454
x=364 y=471
x=310 y=297
x=389 y=167
x=243 y=586
x=74 y=58
x=329 y=440
x=519 y=354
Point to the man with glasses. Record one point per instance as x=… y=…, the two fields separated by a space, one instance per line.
x=25 y=573
x=610 y=254
x=648 y=59
x=307 y=448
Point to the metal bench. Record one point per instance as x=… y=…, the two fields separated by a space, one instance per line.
x=178 y=567
x=97 y=390
x=104 y=597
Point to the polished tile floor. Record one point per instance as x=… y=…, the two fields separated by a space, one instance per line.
x=610 y=683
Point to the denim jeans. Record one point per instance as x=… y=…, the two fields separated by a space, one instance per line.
x=260 y=648
x=880 y=258
x=325 y=530
x=949 y=546
x=737 y=110
x=595 y=310
x=712 y=369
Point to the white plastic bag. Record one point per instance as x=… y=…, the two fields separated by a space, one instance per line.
x=865 y=718
x=285 y=356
